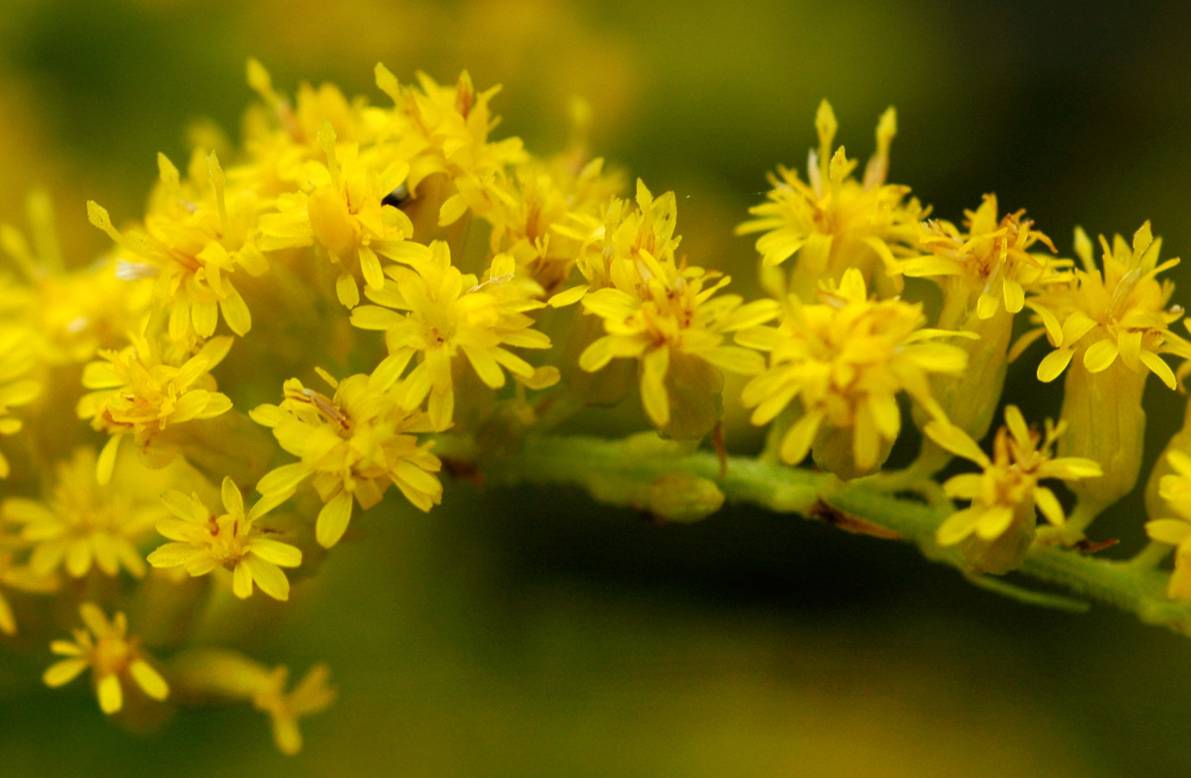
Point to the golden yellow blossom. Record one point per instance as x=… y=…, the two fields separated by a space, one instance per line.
x=281 y=133
x=204 y=540
x=442 y=317
x=623 y=232
x=195 y=237
x=664 y=315
x=345 y=215
x=988 y=267
x=984 y=272
x=137 y=392
x=70 y=313
x=1118 y=310
x=115 y=659
x=1006 y=495
x=832 y=221
x=533 y=215
x=1116 y=319
x=843 y=361
x=447 y=128
x=313 y=694
x=230 y=675
x=82 y=524
x=353 y=445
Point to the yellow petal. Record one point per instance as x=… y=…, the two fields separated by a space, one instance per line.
x=1053 y=364
x=1100 y=355
x=654 y=396
x=333 y=520
x=1172 y=531
x=958 y=442
x=111 y=696
x=150 y=681
x=957 y=526
x=797 y=442
x=63 y=672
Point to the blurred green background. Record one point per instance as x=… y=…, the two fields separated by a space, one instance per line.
x=538 y=634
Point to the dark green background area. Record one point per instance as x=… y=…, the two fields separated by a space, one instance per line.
x=535 y=633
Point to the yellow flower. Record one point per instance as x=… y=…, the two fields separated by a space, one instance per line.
x=1176 y=491
x=115 y=659
x=990 y=267
x=71 y=313
x=353 y=445
x=345 y=215
x=1006 y=496
x=1116 y=319
x=444 y=317
x=138 y=392
x=663 y=315
x=448 y=129
x=282 y=134
x=844 y=360
x=533 y=215
x=17 y=387
x=984 y=273
x=195 y=236
x=1118 y=310
x=82 y=524
x=833 y=221
x=230 y=675
x=204 y=541
x=624 y=231
x=313 y=694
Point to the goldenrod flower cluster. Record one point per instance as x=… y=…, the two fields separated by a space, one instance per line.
x=305 y=328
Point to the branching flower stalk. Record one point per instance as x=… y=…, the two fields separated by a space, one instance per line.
x=364 y=300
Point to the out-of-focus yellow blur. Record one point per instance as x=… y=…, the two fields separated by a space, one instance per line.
x=537 y=634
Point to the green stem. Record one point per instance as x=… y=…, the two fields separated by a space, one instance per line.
x=626 y=472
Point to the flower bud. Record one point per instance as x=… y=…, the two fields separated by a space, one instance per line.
x=684 y=498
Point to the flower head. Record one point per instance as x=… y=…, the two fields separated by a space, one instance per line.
x=313 y=694
x=833 y=221
x=204 y=540
x=195 y=237
x=844 y=360
x=441 y=317
x=1006 y=493
x=82 y=524
x=447 y=128
x=1116 y=319
x=354 y=445
x=343 y=211
x=71 y=313
x=990 y=265
x=624 y=231
x=535 y=212
x=138 y=391
x=661 y=314
x=1118 y=310
x=283 y=131
x=229 y=675
x=115 y=659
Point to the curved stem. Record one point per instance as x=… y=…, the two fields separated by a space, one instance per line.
x=626 y=472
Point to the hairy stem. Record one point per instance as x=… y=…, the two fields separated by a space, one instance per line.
x=628 y=473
